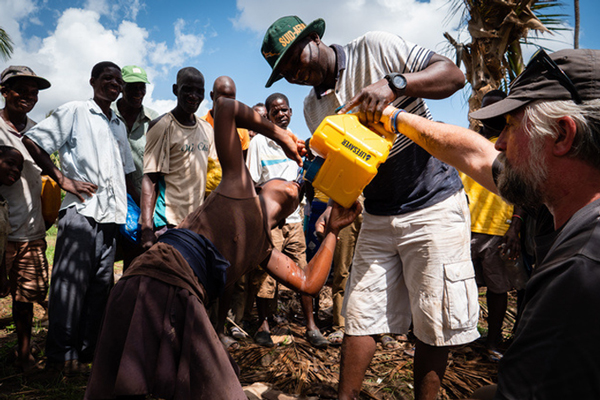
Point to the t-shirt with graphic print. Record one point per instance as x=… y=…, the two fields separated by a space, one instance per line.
x=180 y=154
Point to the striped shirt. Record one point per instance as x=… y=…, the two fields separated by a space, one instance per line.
x=410 y=179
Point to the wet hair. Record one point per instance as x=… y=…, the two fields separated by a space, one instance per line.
x=102 y=66
x=272 y=98
x=183 y=73
x=541 y=120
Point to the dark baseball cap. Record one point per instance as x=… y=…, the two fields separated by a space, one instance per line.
x=562 y=75
x=17 y=71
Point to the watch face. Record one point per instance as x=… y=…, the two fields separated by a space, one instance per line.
x=399 y=82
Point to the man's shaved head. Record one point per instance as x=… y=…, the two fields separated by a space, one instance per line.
x=223 y=86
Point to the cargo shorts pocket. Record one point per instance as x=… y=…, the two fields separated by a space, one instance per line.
x=461 y=302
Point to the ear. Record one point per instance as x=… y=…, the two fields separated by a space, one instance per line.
x=175 y=89
x=314 y=36
x=212 y=96
x=567 y=129
x=92 y=81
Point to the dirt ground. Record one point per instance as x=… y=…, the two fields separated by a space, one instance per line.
x=292 y=368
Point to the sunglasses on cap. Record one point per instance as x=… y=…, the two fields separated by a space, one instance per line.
x=540 y=63
x=541 y=60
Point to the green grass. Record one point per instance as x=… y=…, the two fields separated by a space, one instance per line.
x=51 y=240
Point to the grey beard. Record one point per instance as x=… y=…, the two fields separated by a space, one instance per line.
x=521 y=188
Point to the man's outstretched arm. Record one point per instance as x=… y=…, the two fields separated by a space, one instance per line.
x=462 y=148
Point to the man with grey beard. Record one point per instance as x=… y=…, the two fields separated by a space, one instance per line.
x=547 y=154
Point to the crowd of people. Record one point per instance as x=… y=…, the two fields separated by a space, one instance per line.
x=412 y=260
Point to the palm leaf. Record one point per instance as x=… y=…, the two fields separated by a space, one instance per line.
x=6 y=45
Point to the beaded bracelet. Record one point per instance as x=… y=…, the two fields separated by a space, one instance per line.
x=518 y=216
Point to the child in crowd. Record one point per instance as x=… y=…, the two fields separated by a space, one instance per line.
x=11 y=165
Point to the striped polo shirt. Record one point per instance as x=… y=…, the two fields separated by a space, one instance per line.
x=410 y=179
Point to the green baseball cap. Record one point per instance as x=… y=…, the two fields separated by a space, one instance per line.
x=133 y=74
x=281 y=36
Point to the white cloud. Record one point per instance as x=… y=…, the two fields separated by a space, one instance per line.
x=419 y=22
x=13 y=15
x=80 y=40
x=186 y=46
x=115 y=9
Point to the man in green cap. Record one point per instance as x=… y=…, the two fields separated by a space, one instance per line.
x=137 y=117
x=412 y=259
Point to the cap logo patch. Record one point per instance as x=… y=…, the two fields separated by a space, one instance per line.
x=290 y=35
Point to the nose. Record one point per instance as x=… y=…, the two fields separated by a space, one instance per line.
x=501 y=142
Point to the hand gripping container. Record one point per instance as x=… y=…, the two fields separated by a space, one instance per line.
x=347 y=157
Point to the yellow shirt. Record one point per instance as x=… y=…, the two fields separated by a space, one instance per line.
x=489 y=213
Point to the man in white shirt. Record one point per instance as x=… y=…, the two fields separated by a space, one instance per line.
x=95 y=156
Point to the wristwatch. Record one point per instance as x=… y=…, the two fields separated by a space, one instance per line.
x=397 y=83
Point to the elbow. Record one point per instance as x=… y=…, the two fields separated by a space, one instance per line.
x=455 y=79
x=459 y=80
x=448 y=77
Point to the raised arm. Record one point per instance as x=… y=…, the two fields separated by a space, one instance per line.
x=230 y=115
x=462 y=148
x=313 y=277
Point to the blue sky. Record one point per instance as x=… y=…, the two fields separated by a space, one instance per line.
x=62 y=39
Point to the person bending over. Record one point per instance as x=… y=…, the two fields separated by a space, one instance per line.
x=157 y=338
